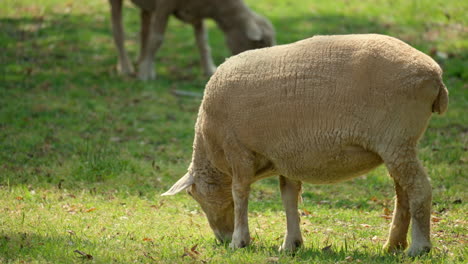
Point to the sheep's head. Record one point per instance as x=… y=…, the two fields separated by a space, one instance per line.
x=254 y=33
x=215 y=198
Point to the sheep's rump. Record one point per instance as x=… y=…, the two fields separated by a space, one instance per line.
x=322 y=101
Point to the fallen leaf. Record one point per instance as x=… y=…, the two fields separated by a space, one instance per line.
x=157 y=206
x=194 y=249
x=349 y=258
x=147 y=239
x=193 y=253
x=305 y=212
x=435 y=219
x=272 y=260
x=19 y=198
x=365 y=225
x=387 y=211
x=442 y=210
x=388 y=217
x=148 y=256
x=91 y=209
x=84 y=255
x=327 y=249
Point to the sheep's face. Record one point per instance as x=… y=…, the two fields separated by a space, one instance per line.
x=212 y=190
x=256 y=33
x=217 y=203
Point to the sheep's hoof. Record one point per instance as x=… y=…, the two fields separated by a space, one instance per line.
x=240 y=239
x=146 y=72
x=290 y=246
x=418 y=251
x=125 y=70
x=395 y=247
x=239 y=244
x=146 y=76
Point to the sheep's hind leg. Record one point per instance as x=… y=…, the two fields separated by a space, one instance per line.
x=407 y=170
x=201 y=36
x=400 y=223
x=124 y=66
x=290 y=192
x=154 y=39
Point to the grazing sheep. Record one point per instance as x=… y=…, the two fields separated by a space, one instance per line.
x=244 y=29
x=321 y=110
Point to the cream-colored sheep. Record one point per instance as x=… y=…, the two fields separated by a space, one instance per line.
x=321 y=110
x=244 y=29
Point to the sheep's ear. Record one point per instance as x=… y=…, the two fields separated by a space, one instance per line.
x=182 y=184
x=253 y=31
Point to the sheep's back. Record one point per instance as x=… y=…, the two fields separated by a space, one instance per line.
x=322 y=91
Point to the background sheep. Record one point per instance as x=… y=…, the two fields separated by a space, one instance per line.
x=244 y=29
x=321 y=110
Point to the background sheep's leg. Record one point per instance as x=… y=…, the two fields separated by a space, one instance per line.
x=124 y=65
x=409 y=173
x=290 y=191
x=240 y=193
x=201 y=36
x=158 y=25
x=145 y=20
x=400 y=223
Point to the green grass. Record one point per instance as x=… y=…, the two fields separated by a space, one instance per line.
x=85 y=154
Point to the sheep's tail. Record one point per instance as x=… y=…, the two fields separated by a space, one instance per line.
x=441 y=102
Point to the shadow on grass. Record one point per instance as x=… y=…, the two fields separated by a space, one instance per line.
x=80 y=49
x=328 y=254
x=27 y=247
x=81 y=46
x=56 y=52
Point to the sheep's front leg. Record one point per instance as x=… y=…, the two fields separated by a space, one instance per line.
x=154 y=40
x=290 y=191
x=400 y=222
x=201 y=36
x=240 y=194
x=145 y=20
x=409 y=173
x=124 y=65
